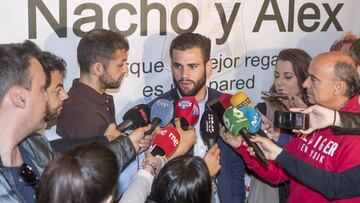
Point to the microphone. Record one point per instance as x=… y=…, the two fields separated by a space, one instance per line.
x=136 y=117
x=161 y=114
x=240 y=100
x=209 y=128
x=219 y=105
x=225 y=100
x=237 y=123
x=254 y=119
x=166 y=142
x=187 y=109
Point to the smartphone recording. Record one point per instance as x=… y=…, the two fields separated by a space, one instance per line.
x=291 y=120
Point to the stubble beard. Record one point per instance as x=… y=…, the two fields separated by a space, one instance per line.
x=196 y=86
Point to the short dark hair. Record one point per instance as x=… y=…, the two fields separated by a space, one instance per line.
x=300 y=62
x=50 y=63
x=355 y=51
x=183 y=179
x=14 y=65
x=88 y=173
x=190 y=40
x=99 y=45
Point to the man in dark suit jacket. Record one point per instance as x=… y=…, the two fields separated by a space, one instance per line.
x=191 y=66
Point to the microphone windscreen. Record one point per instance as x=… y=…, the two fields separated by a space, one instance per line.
x=240 y=99
x=209 y=127
x=253 y=117
x=138 y=116
x=235 y=120
x=163 y=109
x=168 y=140
x=188 y=109
x=225 y=100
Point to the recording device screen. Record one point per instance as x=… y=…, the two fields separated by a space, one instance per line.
x=291 y=120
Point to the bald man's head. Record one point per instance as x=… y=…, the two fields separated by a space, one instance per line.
x=333 y=79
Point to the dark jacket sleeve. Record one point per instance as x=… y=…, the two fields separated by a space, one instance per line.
x=350 y=122
x=123 y=149
x=332 y=185
x=122 y=146
x=65 y=144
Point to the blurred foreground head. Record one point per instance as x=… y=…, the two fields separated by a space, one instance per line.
x=183 y=179
x=88 y=173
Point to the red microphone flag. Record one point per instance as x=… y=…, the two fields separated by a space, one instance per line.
x=188 y=108
x=168 y=140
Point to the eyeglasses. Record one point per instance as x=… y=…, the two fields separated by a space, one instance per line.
x=28 y=176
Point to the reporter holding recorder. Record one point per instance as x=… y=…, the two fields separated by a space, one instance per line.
x=286 y=91
x=333 y=83
x=164 y=145
x=140 y=188
x=332 y=185
x=339 y=122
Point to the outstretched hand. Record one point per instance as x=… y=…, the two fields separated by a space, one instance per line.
x=270 y=149
x=156 y=162
x=139 y=139
x=268 y=127
x=111 y=132
x=187 y=139
x=233 y=141
x=319 y=117
x=212 y=160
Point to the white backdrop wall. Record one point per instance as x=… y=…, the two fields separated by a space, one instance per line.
x=246 y=36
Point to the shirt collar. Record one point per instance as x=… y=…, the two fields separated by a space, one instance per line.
x=85 y=90
x=352 y=104
x=200 y=102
